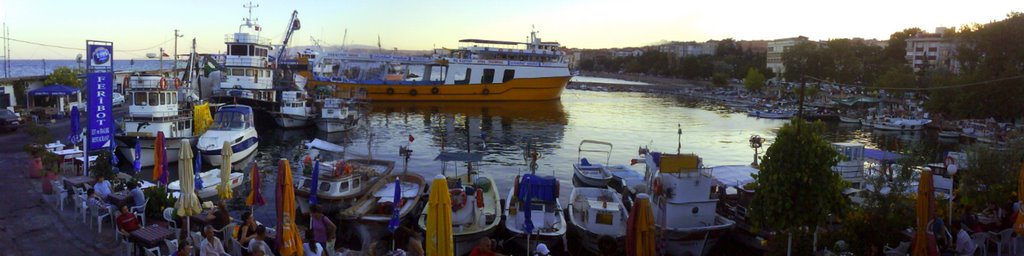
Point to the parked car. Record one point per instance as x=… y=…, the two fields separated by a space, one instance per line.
x=10 y=120
x=118 y=99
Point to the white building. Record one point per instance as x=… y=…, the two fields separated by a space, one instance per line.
x=628 y=53
x=775 y=50
x=933 y=50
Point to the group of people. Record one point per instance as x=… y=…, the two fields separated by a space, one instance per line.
x=957 y=239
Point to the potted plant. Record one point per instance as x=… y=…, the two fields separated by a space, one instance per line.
x=51 y=167
x=159 y=199
x=35 y=159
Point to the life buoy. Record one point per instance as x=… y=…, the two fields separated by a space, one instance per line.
x=163 y=83
x=486 y=91
x=434 y=90
x=413 y=92
x=390 y=91
x=458 y=197
x=126 y=81
x=177 y=83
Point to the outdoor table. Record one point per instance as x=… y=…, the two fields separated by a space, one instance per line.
x=200 y=220
x=67 y=155
x=120 y=198
x=53 y=147
x=151 y=236
x=987 y=219
x=76 y=181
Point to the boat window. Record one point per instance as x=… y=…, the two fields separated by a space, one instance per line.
x=139 y=98
x=237 y=50
x=603 y=217
x=227 y=120
x=355 y=183
x=508 y=76
x=249 y=72
x=154 y=99
x=344 y=186
x=465 y=76
x=325 y=187
x=237 y=72
x=488 y=77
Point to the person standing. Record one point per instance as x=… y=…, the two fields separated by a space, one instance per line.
x=322 y=227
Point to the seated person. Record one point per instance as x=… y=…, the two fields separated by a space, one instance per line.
x=184 y=249
x=137 y=194
x=964 y=244
x=257 y=246
x=126 y=221
x=210 y=245
x=102 y=187
x=95 y=201
x=220 y=217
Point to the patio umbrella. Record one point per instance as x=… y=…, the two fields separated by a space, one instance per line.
x=640 y=228
x=76 y=127
x=137 y=162
x=255 y=198
x=160 y=160
x=314 y=183
x=224 y=190
x=439 y=219
x=288 y=240
x=1018 y=224
x=188 y=203
x=198 y=166
x=922 y=243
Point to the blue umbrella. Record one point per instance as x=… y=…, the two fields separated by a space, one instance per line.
x=313 y=186
x=396 y=206
x=198 y=179
x=76 y=128
x=113 y=155
x=137 y=162
x=527 y=197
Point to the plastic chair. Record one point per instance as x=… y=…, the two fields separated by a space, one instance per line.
x=169 y=217
x=140 y=211
x=128 y=245
x=62 y=194
x=900 y=250
x=155 y=251
x=172 y=244
x=95 y=211
x=1004 y=239
x=80 y=207
x=981 y=241
x=225 y=234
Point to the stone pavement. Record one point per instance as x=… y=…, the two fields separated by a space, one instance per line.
x=32 y=224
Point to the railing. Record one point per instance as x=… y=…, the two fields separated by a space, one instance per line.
x=247 y=61
x=246 y=38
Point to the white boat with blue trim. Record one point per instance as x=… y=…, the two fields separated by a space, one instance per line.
x=233 y=124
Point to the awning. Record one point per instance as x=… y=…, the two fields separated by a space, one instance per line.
x=879 y=155
x=459 y=157
x=54 y=90
x=734 y=175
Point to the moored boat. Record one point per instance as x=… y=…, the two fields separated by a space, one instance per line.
x=901 y=124
x=596 y=212
x=293 y=111
x=233 y=124
x=476 y=205
x=852 y=120
x=336 y=115
x=377 y=206
x=154 y=106
x=340 y=183
x=532 y=204
x=211 y=180
x=592 y=174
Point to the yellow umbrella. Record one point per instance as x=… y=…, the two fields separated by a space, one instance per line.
x=1018 y=225
x=188 y=202
x=224 y=190
x=439 y=219
x=288 y=240
x=923 y=209
x=640 y=236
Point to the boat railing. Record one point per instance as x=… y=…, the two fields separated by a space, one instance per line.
x=246 y=38
x=247 y=61
x=182 y=114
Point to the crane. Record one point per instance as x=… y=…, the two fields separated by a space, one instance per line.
x=293 y=25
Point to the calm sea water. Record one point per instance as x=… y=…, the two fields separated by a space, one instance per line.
x=602 y=80
x=42 y=67
x=627 y=120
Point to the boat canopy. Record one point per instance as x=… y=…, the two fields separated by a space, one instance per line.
x=459 y=157
x=538 y=188
x=54 y=90
x=734 y=175
x=881 y=155
x=324 y=145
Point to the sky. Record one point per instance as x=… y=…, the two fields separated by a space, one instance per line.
x=140 y=27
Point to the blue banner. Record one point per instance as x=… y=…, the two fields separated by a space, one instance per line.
x=99 y=83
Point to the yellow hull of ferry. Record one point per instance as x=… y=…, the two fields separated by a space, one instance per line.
x=519 y=89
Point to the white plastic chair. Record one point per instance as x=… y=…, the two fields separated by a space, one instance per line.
x=900 y=250
x=128 y=245
x=172 y=244
x=80 y=207
x=225 y=234
x=62 y=194
x=97 y=212
x=981 y=240
x=140 y=211
x=169 y=217
x=1004 y=239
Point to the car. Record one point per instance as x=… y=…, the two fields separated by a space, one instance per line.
x=10 y=121
x=118 y=99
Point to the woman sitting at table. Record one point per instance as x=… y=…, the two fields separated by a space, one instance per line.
x=126 y=221
x=248 y=230
x=220 y=217
x=102 y=187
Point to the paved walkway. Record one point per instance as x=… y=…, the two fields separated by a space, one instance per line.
x=31 y=224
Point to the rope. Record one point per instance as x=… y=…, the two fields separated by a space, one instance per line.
x=82 y=49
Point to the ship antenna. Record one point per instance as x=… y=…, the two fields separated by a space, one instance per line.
x=249 y=21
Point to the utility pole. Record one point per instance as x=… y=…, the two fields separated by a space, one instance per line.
x=174 y=66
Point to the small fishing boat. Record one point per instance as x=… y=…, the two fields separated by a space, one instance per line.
x=377 y=206
x=293 y=111
x=336 y=116
x=949 y=134
x=773 y=114
x=852 y=120
x=533 y=202
x=341 y=182
x=901 y=124
x=596 y=212
x=211 y=180
x=233 y=124
x=476 y=205
x=591 y=174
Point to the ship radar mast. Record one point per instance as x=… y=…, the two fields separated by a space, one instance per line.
x=249 y=21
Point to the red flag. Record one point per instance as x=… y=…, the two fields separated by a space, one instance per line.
x=411 y=138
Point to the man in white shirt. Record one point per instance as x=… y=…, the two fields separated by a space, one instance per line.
x=964 y=244
x=211 y=245
x=257 y=246
x=102 y=187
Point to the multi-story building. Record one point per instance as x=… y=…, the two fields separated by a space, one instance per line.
x=933 y=50
x=754 y=46
x=775 y=50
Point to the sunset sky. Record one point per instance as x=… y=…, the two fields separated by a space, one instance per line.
x=144 y=26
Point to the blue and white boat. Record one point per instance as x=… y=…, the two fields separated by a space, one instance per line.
x=233 y=124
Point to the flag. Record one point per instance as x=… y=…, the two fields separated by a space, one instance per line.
x=198 y=164
x=314 y=184
x=411 y=138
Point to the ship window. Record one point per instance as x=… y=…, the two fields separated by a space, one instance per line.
x=488 y=77
x=237 y=72
x=154 y=99
x=465 y=77
x=237 y=50
x=344 y=186
x=325 y=187
x=509 y=75
x=139 y=98
x=248 y=72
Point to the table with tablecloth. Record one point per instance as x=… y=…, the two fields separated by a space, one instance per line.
x=151 y=236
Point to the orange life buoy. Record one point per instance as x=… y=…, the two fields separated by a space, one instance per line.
x=177 y=83
x=458 y=198
x=163 y=83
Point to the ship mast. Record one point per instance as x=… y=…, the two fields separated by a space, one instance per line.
x=249 y=22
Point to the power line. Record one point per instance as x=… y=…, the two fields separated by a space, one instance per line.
x=924 y=89
x=81 y=49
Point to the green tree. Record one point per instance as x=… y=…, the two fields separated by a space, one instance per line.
x=720 y=79
x=796 y=187
x=754 y=80
x=65 y=76
x=992 y=178
x=898 y=77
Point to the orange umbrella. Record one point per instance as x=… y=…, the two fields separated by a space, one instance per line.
x=288 y=240
x=923 y=244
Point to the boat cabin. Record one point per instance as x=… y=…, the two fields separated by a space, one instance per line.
x=233 y=117
x=153 y=106
x=851 y=168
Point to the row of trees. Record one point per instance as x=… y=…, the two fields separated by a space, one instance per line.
x=730 y=60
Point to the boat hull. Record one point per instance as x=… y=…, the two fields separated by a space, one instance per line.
x=890 y=127
x=127 y=148
x=849 y=120
x=290 y=121
x=215 y=159
x=519 y=89
x=588 y=181
x=334 y=125
x=552 y=240
x=694 y=241
x=209 y=190
x=468 y=236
